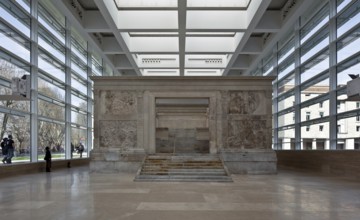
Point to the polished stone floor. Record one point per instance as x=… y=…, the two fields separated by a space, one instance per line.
x=77 y=194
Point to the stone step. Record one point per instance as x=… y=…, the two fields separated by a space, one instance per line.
x=193 y=167
x=185 y=170
x=182 y=165
x=182 y=178
x=174 y=173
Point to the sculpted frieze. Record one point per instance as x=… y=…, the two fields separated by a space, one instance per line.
x=118 y=134
x=248 y=134
x=244 y=102
x=120 y=102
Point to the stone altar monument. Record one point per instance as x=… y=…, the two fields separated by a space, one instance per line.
x=229 y=116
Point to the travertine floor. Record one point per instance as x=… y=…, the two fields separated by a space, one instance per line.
x=78 y=194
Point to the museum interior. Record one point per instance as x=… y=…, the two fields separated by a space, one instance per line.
x=199 y=109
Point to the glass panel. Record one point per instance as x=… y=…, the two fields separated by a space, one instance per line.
x=348 y=19
x=51 y=110
x=286 y=103
x=315 y=137
x=25 y=4
x=108 y=70
x=15 y=16
x=79 y=102
x=50 y=90
x=347 y=133
x=268 y=65
x=78 y=45
x=342 y=4
x=284 y=52
x=19 y=128
x=56 y=25
x=343 y=105
x=348 y=45
x=78 y=66
x=78 y=85
x=78 y=138
x=286 y=140
x=286 y=119
x=317 y=110
x=14 y=43
x=315 y=88
x=52 y=67
x=349 y=67
x=96 y=65
x=319 y=20
x=314 y=45
x=78 y=118
x=51 y=135
x=9 y=70
x=50 y=44
x=315 y=66
x=286 y=67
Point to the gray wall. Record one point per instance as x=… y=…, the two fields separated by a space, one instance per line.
x=332 y=162
x=26 y=168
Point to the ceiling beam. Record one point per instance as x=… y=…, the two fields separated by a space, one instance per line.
x=120 y=61
x=270 y=22
x=256 y=10
x=109 y=12
x=111 y=46
x=287 y=24
x=93 y=21
x=76 y=21
x=242 y=62
x=182 y=34
x=254 y=45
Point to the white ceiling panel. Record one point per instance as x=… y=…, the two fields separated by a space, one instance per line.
x=210 y=44
x=145 y=3
x=218 y=3
x=218 y=20
x=147 y=20
x=154 y=44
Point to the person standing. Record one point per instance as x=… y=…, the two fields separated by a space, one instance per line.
x=4 y=148
x=47 y=158
x=81 y=149
x=10 y=149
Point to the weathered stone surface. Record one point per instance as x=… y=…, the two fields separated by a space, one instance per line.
x=118 y=134
x=250 y=161
x=248 y=134
x=119 y=102
x=243 y=102
x=237 y=117
x=181 y=141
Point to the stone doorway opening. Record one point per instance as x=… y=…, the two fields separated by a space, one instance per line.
x=182 y=125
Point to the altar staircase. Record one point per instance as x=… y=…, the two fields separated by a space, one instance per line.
x=183 y=168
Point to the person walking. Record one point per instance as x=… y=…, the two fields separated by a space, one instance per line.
x=47 y=158
x=4 y=149
x=10 y=149
x=81 y=149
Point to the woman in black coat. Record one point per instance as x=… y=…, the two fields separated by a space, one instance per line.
x=47 y=158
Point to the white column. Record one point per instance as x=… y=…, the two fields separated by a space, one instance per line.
x=313 y=146
x=34 y=82
x=349 y=144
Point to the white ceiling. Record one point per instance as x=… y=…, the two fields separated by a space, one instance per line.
x=183 y=37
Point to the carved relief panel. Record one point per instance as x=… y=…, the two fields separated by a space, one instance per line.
x=244 y=102
x=120 y=102
x=248 y=134
x=118 y=134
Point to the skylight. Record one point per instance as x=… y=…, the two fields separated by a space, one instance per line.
x=171 y=37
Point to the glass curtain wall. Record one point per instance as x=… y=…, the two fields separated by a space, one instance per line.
x=310 y=93
x=59 y=112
